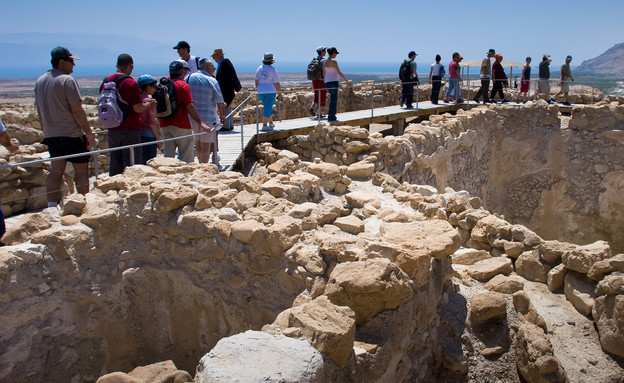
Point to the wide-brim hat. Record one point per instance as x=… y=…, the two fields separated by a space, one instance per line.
x=268 y=58
x=217 y=52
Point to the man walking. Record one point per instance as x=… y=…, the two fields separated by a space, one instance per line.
x=179 y=126
x=64 y=122
x=566 y=78
x=318 y=85
x=184 y=51
x=208 y=101
x=228 y=82
x=129 y=131
x=485 y=74
x=543 y=84
x=408 y=82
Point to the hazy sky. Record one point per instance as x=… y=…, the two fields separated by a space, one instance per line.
x=362 y=30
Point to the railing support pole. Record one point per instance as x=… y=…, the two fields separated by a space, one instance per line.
x=257 y=121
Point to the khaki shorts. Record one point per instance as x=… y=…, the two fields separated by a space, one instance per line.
x=543 y=86
x=565 y=87
x=209 y=137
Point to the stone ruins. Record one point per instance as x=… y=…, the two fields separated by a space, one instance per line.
x=485 y=246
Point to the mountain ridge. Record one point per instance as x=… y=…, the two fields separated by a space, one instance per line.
x=610 y=62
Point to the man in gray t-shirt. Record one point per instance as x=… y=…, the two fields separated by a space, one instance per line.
x=65 y=127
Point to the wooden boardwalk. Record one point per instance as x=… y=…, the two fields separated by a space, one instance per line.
x=232 y=145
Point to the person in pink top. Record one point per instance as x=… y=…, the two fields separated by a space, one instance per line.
x=150 y=130
x=454 y=80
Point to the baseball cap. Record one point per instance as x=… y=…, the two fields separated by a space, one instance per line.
x=177 y=66
x=320 y=48
x=492 y=51
x=146 y=79
x=62 y=53
x=182 y=44
x=412 y=53
x=569 y=58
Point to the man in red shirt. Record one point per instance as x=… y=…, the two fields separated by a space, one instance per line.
x=179 y=126
x=129 y=131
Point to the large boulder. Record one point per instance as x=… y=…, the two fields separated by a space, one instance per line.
x=579 y=290
x=535 y=357
x=582 y=258
x=606 y=266
x=608 y=313
x=368 y=287
x=530 y=266
x=488 y=268
x=504 y=284
x=25 y=227
x=329 y=328
x=468 y=256
x=255 y=356
x=487 y=306
x=436 y=238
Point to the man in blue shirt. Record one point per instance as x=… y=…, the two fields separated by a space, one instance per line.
x=209 y=103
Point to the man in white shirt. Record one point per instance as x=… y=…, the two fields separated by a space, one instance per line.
x=184 y=50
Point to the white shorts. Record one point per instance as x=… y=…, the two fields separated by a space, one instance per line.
x=209 y=137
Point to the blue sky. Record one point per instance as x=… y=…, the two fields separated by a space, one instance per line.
x=362 y=30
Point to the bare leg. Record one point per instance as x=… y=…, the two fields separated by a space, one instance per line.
x=214 y=153
x=82 y=177
x=53 y=182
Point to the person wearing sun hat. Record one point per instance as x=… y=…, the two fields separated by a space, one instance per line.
x=64 y=122
x=566 y=78
x=267 y=84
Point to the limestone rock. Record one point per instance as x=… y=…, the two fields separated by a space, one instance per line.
x=580 y=291
x=526 y=236
x=486 y=269
x=24 y=228
x=552 y=251
x=555 y=277
x=244 y=231
x=489 y=228
x=513 y=249
x=531 y=267
x=360 y=199
x=606 y=266
x=281 y=166
x=608 y=313
x=469 y=218
x=329 y=328
x=302 y=210
x=487 y=306
x=362 y=169
x=467 y=256
x=325 y=170
x=255 y=356
x=535 y=357
x=101 y=216
x=524 y=307
x=117 y=377
x=611 y=285
x=506 y=285
x=582 y=258
x=368 y=287
x=73 y=204
x=157 y=373
x=350 y=224
x=436 y=238
x=308 y=257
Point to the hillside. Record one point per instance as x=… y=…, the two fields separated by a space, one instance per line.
x=610 y=62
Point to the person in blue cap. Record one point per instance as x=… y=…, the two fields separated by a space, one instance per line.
x=150 y=131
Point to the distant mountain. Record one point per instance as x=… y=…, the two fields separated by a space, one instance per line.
x=611 y=62
x=28 y=54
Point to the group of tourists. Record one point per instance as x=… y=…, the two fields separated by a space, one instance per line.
x=489 y=72
x=185 y=109
x=325 y=75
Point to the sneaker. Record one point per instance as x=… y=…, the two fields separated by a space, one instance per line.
x=312 y=113
x=516 y=100
x=271 y=125
x=459 y=101
x=217 y=161
x=566 y=102
x=446 y=100
x=475 y=100
x=401 y=102
x=553 y=100
x=266 y=128
x=504 y=101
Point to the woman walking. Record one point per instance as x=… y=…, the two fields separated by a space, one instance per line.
x=332 y=74
x=500 y=79
x=435 y=79
x=267 y=84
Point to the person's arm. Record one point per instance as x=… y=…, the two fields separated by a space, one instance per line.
x=81 y=118
x=221 y=110
x=145 y=105
x=430 y=73
x=340 y=73
x=256 y=81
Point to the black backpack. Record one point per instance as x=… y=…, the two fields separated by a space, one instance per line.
x=405 y=71
x=315 y=69
x=166 y=98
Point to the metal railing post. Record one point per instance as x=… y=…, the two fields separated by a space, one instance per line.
x=372 y=101
x=318 y=98
x=279 y=108
x=417 y=94
x=242 y=117
x=383 y=89
x=131 y=156
x=257 y=120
